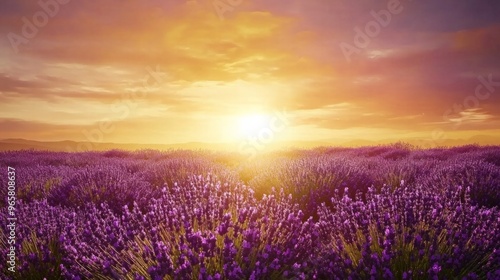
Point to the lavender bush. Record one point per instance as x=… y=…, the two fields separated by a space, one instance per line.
x=386 y=212
x=410 y=233
x=483 y=179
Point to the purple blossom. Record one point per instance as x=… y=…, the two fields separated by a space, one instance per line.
x=368 y=213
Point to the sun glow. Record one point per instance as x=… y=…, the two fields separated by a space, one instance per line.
x=249 y=125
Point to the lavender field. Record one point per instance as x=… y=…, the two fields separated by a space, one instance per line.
x=385 y=212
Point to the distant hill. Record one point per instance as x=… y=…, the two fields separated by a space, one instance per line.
x=73 y=146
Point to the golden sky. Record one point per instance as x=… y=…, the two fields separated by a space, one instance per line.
x=222 y=71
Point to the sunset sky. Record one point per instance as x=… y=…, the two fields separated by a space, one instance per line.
x=168 y=71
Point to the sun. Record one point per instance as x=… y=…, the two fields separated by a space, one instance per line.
x=251 y=124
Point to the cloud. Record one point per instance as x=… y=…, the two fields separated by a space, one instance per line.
x=482 y=42
x=265 y=56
